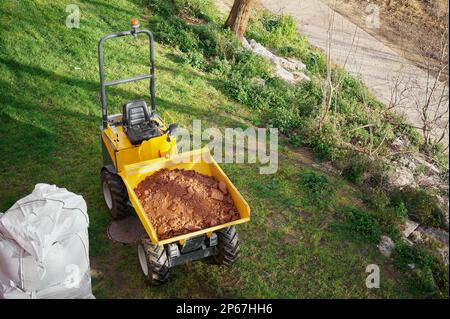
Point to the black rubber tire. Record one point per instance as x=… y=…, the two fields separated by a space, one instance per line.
x=228 y=246
x=157 y=263
x=119 y=195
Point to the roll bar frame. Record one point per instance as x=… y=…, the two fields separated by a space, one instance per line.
x=104 y=85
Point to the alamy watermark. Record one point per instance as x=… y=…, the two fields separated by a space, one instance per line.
x=373 y=279
x=73 y=279
x=73 y=19
x=234 y=145
x=373 y=16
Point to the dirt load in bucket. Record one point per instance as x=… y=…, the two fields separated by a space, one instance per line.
x=182 y=201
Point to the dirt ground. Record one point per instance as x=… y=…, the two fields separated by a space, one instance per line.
x=413 y=28
x=182 y=201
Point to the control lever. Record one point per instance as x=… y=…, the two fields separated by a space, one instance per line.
x=170 y=130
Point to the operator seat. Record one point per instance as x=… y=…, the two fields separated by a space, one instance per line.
x=137 y=122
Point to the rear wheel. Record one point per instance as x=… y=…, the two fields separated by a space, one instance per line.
x=228 y=246
x=154 y=262
x=115 y=195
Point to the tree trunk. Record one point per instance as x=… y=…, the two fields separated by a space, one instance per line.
x=239 y=15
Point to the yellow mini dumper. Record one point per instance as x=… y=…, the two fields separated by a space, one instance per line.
x=135 y=144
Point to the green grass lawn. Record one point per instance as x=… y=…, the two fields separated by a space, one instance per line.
x=49 y=120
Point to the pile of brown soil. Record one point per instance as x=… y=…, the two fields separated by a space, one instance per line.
x=182 y=201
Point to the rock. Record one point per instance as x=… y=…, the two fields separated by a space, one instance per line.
x=400 y=144
x=444 y=188
x=386 y=246
x=409 y=227
x=245 y=44
x=262 y=51
x=416 y=236
x=223 y=187
x=439 y=239
x=216 y=194
x=190 y=190
x=401 y=177
x=428 y=181
x=284 y=74
x=289 y=69
x=437 y=234
x=431 y=167
x=290 y=64
x=301 y=77
x=408 y=163
x=443 y=254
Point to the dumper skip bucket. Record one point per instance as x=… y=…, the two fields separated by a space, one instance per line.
x=200 y=161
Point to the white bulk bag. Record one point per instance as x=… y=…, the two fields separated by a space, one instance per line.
x=44 y=246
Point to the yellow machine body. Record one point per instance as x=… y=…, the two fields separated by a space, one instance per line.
x=121 y=152
x=133 y=163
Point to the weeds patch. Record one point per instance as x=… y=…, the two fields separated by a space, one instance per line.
x=427 y=273
x=359 y=224
x=421 y=206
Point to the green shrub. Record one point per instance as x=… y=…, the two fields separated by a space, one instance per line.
x=239 y=88
x=355 y=170
x=405 y=255
x=194 y=58
x=214 y=41
x=163 y=7
x=351 y=87
x=389 y=217
x=227 y=45
x=376 y=199
x=437 y=152
x=403 y=128
x=322 y=143
x=250 y=65
x=308 y=96
x=316 y=62
x=359 y=168
x=317 y=188
x=174 y=31
x=207 y=35
x=422 y=206
x=363 y=224
x=401 y=212
x=286 y=120
x=379 y=178
x=202 y=9
x=317 y=184
x=220 y=67
x=208 y=38
x=278 y=32
x=430 y=275
x=440 y=275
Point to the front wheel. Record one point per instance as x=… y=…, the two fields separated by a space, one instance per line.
x=228 y=246
x=115 y=195
x=154 y=262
